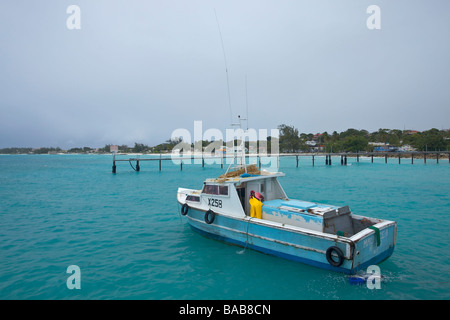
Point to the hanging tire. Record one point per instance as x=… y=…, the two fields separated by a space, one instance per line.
x=184 y=209
x=209 y=216
x=332 y=253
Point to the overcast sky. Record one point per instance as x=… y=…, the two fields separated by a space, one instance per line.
x=138 y=70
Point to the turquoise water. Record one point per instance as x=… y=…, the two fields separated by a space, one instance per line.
x=125 y=232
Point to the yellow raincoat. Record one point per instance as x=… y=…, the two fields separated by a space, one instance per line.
x=255 y=208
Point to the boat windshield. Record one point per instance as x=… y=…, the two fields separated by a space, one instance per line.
x=215 y=189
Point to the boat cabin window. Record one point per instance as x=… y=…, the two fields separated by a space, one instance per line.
x=210 y=189
x=215 y=190
x=223 y=190
x=193 y=198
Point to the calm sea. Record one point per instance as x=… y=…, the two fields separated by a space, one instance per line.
x=125 y=233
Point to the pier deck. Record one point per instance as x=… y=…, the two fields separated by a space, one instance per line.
x=227 y=159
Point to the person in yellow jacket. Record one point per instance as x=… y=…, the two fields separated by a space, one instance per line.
x=255 y=206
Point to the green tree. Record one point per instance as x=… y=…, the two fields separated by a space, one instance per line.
x=354 y=143
x=289 y=138
x=124 y=149
x=430 y=140
x=434 y=140
x=140 y=148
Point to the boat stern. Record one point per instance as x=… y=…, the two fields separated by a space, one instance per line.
x=374 y=244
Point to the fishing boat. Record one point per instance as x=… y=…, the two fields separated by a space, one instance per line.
x=322 y=235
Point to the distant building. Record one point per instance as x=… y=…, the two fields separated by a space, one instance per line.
x=406 y=148
x=386 y=148
x=314 y=146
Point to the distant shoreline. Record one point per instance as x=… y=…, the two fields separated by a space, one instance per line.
x=363 y=155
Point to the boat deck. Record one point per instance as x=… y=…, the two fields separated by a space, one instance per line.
x=300 y=206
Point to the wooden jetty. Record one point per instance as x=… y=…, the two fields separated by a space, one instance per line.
x=227 y=159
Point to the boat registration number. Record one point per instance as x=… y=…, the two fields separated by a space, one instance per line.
x=215 y=202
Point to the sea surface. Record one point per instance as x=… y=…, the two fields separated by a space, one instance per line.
x=125 y=233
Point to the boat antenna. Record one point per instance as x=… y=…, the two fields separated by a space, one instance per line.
x=226 y=67
x=246 y=99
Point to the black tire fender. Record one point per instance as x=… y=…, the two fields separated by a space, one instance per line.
x=184 y=209
x=336 y=252
x=209 y=216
